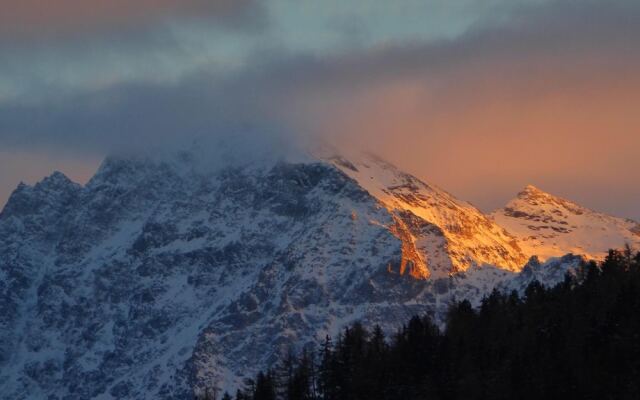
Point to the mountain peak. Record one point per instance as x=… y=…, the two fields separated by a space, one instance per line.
x=550 y=226
x=533 y=196
x=56 y=179
x=535 y=193
x=54 y=192
x=531 y=189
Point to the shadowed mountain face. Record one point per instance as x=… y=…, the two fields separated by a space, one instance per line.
x=166 y=275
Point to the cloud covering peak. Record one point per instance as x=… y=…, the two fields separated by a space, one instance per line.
x=530 y=91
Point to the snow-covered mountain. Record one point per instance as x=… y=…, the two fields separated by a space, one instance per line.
x=441 y=235
x=164 y=275
x=549 y=226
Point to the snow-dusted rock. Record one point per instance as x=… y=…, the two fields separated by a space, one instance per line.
x=165 y=275
x=444 y=235
x=549 y=226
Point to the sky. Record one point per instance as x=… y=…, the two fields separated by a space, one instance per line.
x=480 y=97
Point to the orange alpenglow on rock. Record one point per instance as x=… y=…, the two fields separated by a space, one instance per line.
x=440 y=234
x=550 y=226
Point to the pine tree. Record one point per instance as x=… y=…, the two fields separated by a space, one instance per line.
x=326 y=371
x=265 y=387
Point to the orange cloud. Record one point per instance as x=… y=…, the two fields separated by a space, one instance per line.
x=483 y=128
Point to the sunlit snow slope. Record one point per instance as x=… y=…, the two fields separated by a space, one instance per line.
x=441 y=234
x=549 y=226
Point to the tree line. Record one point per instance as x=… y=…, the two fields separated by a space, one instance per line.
x=577 y=340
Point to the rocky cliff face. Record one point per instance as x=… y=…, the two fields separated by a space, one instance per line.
x=166 y=275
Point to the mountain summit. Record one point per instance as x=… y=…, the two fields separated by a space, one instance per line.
x=550 y=226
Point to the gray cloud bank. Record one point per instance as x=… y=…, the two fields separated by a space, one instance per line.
x=38 y=20
x=454 y=105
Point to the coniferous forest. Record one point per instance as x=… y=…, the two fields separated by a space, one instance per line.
x=577 y=340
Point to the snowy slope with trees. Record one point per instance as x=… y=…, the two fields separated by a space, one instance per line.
x=169 y=274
